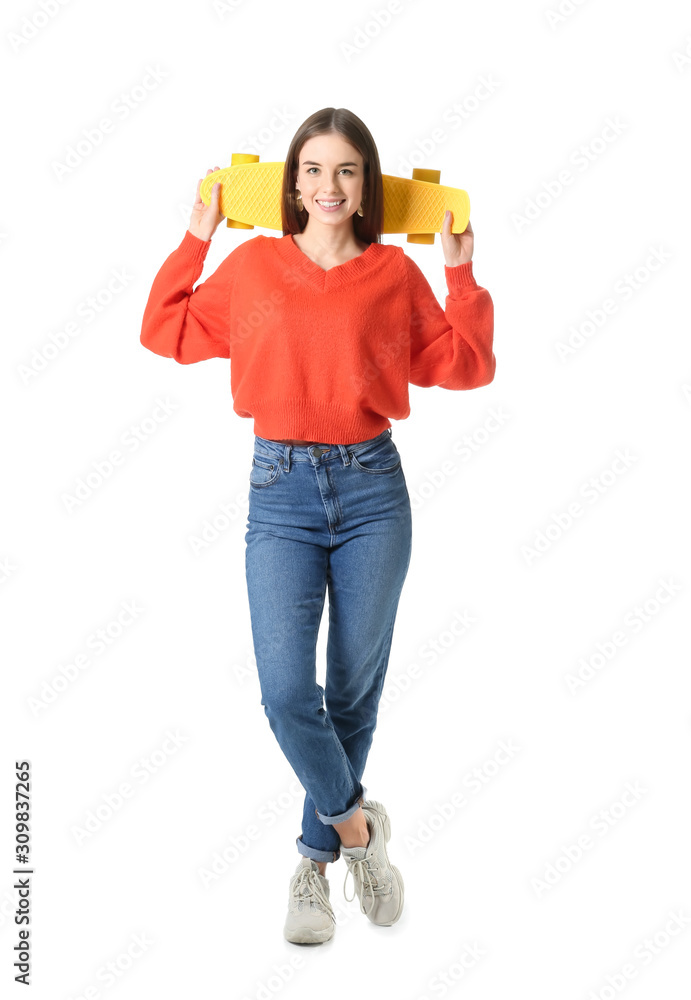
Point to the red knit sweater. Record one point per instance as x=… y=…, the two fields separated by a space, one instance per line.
x=320 y=355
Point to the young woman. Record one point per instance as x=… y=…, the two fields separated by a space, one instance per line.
x=325 y=327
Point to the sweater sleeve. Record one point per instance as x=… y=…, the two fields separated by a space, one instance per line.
x=451 y=348
x=183 y=324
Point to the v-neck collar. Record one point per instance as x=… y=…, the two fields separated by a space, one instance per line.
x=321 y=279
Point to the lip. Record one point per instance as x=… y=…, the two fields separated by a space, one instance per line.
x=333 y=208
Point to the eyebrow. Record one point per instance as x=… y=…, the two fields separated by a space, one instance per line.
x=312 y=163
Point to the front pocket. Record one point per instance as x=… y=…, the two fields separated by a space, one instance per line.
x=379 y=461
x=264 y=473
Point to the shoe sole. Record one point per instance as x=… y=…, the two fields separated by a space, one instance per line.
x=308 y=935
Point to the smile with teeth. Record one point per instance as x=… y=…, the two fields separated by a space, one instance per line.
x=329 y=204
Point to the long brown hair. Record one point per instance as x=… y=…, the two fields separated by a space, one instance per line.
x=367 y=228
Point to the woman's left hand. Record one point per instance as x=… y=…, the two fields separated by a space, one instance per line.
x=457 y=247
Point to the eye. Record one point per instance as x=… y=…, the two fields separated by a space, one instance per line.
x=310 y=169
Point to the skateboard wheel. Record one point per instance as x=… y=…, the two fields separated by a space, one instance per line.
x=235 y=159
x=433 y=176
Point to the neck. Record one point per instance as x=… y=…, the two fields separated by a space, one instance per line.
x=328 y=240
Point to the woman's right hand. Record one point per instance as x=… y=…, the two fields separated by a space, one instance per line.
x=206 y=219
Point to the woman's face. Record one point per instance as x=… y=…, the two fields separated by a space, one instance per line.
x=330 y=169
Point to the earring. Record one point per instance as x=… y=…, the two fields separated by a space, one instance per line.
x=298 y=201
x=359 y=211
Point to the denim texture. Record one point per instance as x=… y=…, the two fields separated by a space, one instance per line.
x=337 y=517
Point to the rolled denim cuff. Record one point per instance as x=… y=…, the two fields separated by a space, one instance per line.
x=316 y=855
x=342 y=817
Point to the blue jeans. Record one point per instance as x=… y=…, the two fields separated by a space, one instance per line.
x=338 y=516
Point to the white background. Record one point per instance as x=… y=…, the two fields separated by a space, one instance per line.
x=243 y=79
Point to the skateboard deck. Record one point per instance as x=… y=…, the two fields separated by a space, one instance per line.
x=251 y=196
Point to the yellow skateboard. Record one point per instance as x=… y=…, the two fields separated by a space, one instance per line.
x=251 y=196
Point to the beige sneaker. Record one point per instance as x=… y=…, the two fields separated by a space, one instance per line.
x=378 y=884
x=310 y=917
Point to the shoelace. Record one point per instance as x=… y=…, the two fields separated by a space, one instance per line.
x=365 y=869
x=307 y=884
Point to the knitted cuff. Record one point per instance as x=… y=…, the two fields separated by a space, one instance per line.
x=193 y=248
x=460 y=276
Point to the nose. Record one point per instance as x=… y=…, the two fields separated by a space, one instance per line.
x=330 y=191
